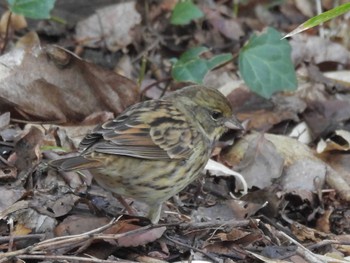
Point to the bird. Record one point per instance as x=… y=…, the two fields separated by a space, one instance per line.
x=155 y=148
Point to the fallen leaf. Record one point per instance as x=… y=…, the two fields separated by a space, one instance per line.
x=324 y=117
x=4 y=120
x=54 y=85
x=229 y=27
x=302 y=175
x=9 y=196
x=143 y=238
x=263 y=114
x=27 y=149
x=35 y=221
x=317 y=49
x=78 y=224
x=258 y=160
x=17 y=22
x=107 y=28
x=340 y=141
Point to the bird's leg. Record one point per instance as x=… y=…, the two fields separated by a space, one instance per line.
x=154 y=213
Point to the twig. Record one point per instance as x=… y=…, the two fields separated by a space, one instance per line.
x=193 y=248
x=154 y=84
x=62 y=242
x=202 y=225
x=303 y=251
x=73 y=258
x=58 y=242
x=21 y=237
x=6 y=33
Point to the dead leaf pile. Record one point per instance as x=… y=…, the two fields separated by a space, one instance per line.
x=58 y=80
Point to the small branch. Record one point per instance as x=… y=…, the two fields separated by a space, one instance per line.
x=56 y=243
x=193 y=248
x=21 y=237
x=6 y=34
x=72 y=259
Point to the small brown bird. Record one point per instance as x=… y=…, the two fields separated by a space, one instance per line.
x=155 y=148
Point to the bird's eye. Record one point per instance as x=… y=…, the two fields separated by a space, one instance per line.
x=215 y=115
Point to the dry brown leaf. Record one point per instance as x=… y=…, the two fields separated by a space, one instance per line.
x=242 y=209
x=291 y=151
x=269 y=200
x=257 y=159
x=303 y=175
x=219 y=211
x=229 y=249
x=229 y=27
x=317 y=49
x=233 y=235
x=305 y=233
x=4 y=120
x=143 y=238
x=8 y=174
x=323 y=223
x=21 y=230
x=340 y=142
x=54 y=85
x=10 y=196
x=17 y=22
x=63 y=205
x=28 y=41
x=324 y=117
x=26 y=149
x=107 y=28
x=35 y=221
x=78 y=224
x=263 y=114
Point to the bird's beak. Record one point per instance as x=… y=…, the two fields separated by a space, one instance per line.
x=233 y=124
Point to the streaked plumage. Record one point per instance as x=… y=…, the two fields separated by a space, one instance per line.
x=157 y=147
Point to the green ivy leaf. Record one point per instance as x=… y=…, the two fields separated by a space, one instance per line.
x=36 y=9
x=190 y=67
x=265 y=64
x=184 y=12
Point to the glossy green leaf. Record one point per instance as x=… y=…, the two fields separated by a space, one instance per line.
x=265 y=64
x=36 y=9
x=190 y=67
x=184 y=12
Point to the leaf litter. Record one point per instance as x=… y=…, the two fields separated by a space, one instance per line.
x=50 y=97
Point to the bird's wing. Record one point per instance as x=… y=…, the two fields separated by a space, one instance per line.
x=149 y=130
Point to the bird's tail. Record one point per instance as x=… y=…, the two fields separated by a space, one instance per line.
x=74 y=163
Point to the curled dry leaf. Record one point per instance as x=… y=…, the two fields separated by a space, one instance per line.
x=220 y=169
x=340 y=142
x=270 y=156
x=298 y=159
x=54 y=85
x=17 y=22
x=8 y=174
x=258 y=161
